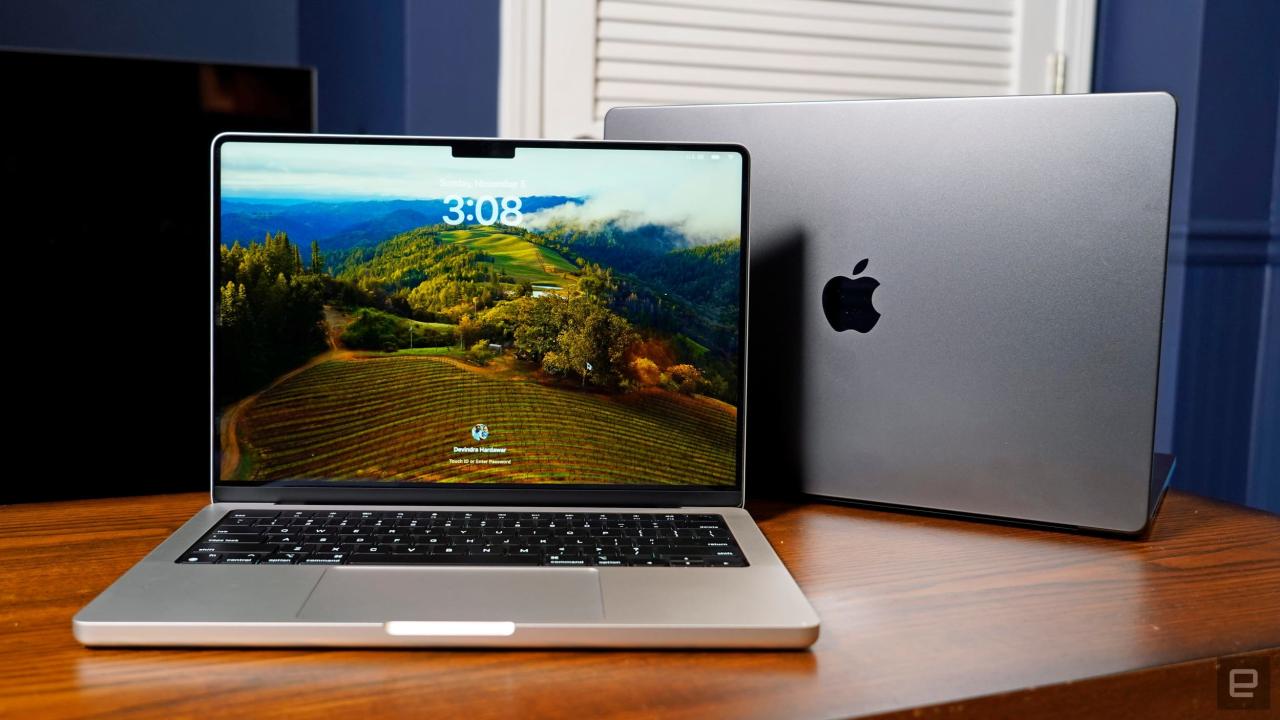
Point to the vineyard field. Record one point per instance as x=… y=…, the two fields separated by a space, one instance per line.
x=399 y=418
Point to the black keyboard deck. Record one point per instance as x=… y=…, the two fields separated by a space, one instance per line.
x=323 y=537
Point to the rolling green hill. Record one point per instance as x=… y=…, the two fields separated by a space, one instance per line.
x=514 y=256
x=430 y=253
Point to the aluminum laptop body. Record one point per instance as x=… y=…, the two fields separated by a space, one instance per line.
x=434 y=340
x=993 y=273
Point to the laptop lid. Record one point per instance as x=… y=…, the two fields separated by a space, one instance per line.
x=498 y=322
x=962 y=297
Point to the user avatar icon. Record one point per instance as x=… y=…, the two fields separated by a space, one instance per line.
x=480 y=432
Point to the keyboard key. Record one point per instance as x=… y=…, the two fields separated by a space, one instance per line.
x=258 y=547
x=239 y=558
x=434 y=559
x=698 y=550
x=199 y=558
x=388 y=559
x=283 y=559
x=253 y=539
x=569 y=558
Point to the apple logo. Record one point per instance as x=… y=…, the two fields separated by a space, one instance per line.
x=846 y=301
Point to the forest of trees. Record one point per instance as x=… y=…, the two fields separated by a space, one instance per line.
x=659 y=254
x=269 y=314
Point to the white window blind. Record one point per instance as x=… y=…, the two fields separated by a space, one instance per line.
x=598 y=54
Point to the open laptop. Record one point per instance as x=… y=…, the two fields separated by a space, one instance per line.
x=470 y=393
x=958 y=300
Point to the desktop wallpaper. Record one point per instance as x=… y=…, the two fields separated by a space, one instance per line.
x=393 y=314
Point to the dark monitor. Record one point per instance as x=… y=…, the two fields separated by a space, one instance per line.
x=105 y=166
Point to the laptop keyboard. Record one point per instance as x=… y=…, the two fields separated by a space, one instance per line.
x=324 y=537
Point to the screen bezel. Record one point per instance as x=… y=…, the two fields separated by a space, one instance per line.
x=336 y=492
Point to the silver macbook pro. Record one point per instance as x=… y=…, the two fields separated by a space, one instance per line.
x=957 y=301
x=470 y=393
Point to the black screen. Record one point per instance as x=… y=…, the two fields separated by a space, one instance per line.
x=106 y=169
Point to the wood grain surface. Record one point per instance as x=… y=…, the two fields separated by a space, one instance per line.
x=922 y=616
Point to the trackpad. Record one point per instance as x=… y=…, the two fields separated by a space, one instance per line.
x=521 y=595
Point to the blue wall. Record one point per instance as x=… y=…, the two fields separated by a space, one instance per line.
x=384 y=66
x=418 y=67
x=358 y=52
x=1219 y=389
x=452 y=67
x=238 y=31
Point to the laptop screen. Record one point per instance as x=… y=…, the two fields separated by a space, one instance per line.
x=390 y=313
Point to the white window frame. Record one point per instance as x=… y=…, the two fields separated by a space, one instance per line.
x=545 y=94
x=1055 y=46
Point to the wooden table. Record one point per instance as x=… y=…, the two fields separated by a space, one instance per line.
x=948 y=618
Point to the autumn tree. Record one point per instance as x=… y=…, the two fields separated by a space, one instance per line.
x=684 y=378
x=645 y=371
x=465 y=326
x=480 y=353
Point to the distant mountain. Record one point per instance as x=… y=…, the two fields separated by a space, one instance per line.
x=343 y=225
x=534 y=203
x=373 y=231
x=305 y=221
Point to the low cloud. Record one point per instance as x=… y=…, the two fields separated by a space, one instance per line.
x=696 y=227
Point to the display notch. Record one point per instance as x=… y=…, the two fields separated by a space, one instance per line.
x=484 y=149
